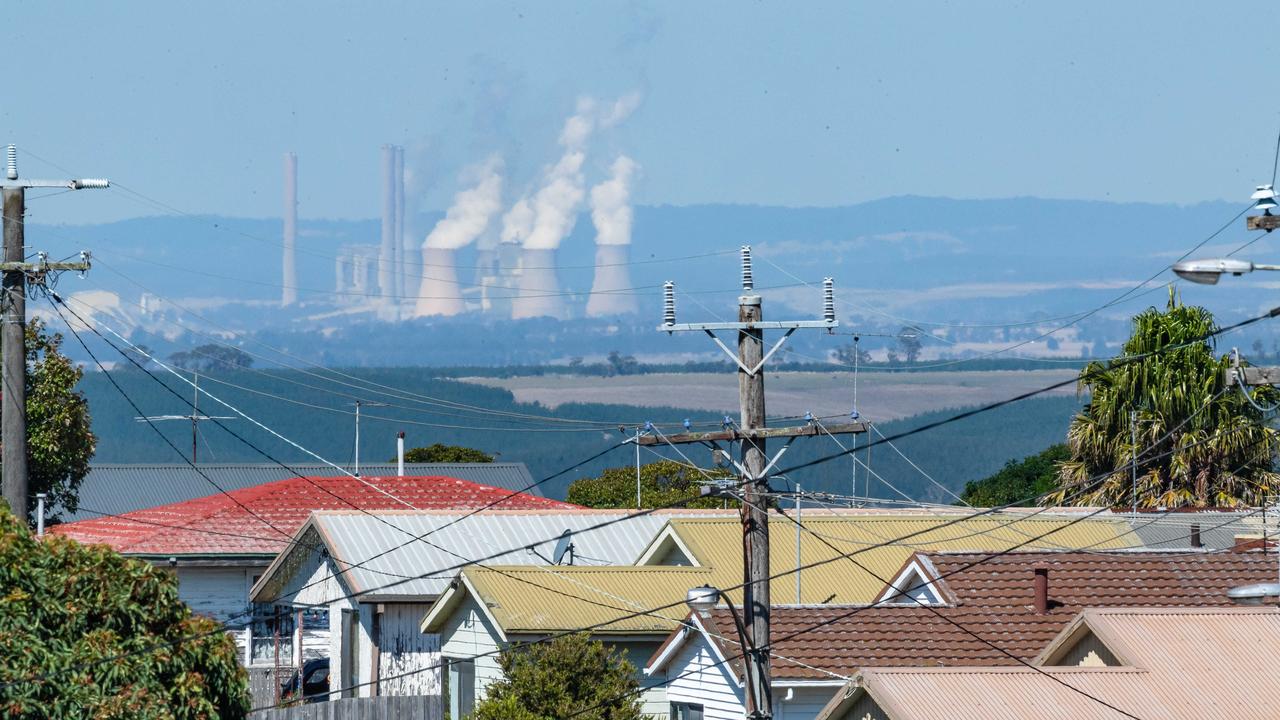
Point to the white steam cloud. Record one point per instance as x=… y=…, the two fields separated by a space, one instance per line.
x=611 y=204
x=542 y=222
x=472 y=208
x=517 y=223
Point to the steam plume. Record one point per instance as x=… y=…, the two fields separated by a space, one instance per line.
x=471 y=211
x=610 y=204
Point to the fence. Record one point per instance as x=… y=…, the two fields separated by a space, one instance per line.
x=264 y=684
x=416 y=707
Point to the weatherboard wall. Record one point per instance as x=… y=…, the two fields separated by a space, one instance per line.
x=466 y=634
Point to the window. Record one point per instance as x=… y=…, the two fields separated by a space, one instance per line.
x=686 y=711
x=271 y=635
x=462 y=688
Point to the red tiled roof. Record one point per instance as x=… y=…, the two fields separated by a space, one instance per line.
x=218 y=525
x=994 y=600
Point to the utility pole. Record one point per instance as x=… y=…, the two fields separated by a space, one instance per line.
x=755 y=465
x=13 y=354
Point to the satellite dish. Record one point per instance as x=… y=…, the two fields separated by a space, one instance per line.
x=564 y=546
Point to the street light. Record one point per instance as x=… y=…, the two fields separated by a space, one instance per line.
x=1207 y=272
x=702 y=600
x=1256 y=594
x=365 y=403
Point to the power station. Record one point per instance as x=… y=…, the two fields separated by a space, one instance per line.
x=396 y=276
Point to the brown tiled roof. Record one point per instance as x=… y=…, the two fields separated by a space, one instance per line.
x=993 y=600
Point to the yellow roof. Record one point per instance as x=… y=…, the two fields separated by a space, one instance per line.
x=716 y=544
x=606 y=600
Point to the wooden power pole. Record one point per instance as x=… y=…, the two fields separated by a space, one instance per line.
x=755 y=465
x=16 y=274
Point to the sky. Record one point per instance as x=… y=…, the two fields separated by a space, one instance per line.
x=778 y=103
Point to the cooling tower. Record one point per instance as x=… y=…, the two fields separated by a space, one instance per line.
x=539 y=294
x=611 y=292
x=289 y=281
x=439 y=293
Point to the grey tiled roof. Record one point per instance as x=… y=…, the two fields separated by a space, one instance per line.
x=114 y=489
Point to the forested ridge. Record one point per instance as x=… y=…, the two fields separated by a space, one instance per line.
x=429 y=411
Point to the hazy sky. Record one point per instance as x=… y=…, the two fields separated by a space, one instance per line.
x=790 y=103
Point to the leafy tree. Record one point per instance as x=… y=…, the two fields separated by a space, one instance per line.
x=439 y=453
x=662 y=483
x=846 y=354
x=59 y=441
x=1020 y=481
x=569 y=675
x=207 y=358
x=620 y=364
x=909 y=342
x=86 y=632
x=1199 y=443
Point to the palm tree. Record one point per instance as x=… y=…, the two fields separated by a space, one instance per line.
x=1198 y=442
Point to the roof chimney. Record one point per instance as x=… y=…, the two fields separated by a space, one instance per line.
x=1195 y=536
x=1042 y=590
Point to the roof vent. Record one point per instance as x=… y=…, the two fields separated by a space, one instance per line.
x=1041 y=584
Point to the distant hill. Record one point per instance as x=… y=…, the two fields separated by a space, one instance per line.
x=958 y=268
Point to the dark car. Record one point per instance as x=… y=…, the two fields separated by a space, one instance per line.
x=315 y=682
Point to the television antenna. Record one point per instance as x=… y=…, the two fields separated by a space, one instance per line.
x=195 y=418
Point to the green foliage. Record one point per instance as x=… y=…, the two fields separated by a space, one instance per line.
x=88 y=633
x=561 y=678
x=212 y=357
x=439 y=453
x=59 y=440
x=1019 y=482
x=1198 y=442
x=662 y=483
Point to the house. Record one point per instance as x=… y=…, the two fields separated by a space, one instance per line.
x=972 y=598
x=115 y=489
x=871 y=536
x=376 y=586
x=219 y=545
x=487 y=609
x=1173 y=663
x=711 y=544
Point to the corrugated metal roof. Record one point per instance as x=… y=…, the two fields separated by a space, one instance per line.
x=117 y=489
x=540 y=600
x=1181 y=664
x=262 y=519
x=717 y=543
x=1218 y=528
x=353 y=537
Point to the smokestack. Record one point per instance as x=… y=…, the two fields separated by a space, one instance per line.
x=439 y=293
x=399 y=276
x=611 y=290
x=539 y=294
x=386 y=250
x=289 y=294
x=1042 y=590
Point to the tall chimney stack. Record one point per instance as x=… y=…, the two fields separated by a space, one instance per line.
x=386 y=250
x=400 y=281
x=289 y=293
x=611 y=289
x=439 y=292
x=539 y=294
